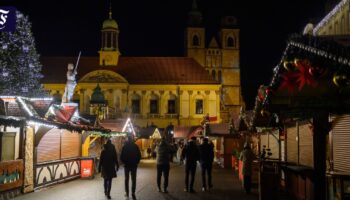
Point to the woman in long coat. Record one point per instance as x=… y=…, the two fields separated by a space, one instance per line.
x=108 y=166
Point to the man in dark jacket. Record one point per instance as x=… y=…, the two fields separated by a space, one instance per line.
x=206 y=152
x=191 y=154
x=130 y=156
x=163 y=166
x=108 y=166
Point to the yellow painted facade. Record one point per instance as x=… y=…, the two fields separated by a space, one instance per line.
x=220 y=58
x=192 y=101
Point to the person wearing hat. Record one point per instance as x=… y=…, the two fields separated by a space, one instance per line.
x=247 y=156
x=108 y=166
x=206 y=152
x=191 y=154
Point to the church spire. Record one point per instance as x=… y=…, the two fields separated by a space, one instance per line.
x=195 y=16
x=110 y=10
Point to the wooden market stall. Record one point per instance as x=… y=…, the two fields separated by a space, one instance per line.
x=47 y=148
x=309 y=84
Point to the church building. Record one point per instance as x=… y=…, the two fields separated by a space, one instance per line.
x=156 y=90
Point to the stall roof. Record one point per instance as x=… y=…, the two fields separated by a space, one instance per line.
x=187 y=131
x=312 y=76
x=33 y=110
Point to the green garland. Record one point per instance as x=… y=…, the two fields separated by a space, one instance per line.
x=12 y=121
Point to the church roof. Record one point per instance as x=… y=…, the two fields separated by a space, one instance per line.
x=136 y=70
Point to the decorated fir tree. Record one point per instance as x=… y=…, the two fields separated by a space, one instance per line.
x=20 y=69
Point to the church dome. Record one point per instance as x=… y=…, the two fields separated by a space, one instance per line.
x=97 y=96
x=110 y=23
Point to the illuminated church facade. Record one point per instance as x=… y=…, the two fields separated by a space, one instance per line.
x=156 y=90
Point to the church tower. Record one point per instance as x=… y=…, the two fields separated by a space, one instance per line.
x=231 y=84
x=109 y=53
x=195 y=35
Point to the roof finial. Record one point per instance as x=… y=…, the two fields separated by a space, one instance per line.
x=110 y=10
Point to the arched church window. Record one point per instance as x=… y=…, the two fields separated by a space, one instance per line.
x=195 y=40
x=213 y=73
x=199 y=106
x=135 y=104
x=230 y=42
x=153 y=104
x=172 y=104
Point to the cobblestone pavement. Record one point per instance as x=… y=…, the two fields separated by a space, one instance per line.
x=226 y=187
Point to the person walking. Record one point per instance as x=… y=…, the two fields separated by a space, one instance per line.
x=179 y=153
x=247 y=156
x=190 y=153
x=149 y=152
x=108 y=166
x=163 y=166
x=130 y=156
x=206 y=152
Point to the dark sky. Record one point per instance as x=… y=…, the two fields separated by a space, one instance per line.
x=156 y=28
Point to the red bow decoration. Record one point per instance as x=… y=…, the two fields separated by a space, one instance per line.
x=288 y=81
x=303 y=76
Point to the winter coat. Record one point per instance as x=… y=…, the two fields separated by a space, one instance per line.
x=206 y=152
x=130 y=154
x=163 y=153
x=108 y=165
x=247 y=156
x=190 y=153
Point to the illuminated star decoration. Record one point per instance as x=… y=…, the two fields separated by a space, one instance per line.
x=288 y=82
x=303 y=75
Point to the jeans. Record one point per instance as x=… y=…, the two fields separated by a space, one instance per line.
x=190 y=169
x=163 y=169
x=107 y=185
x=132 y=171
x=206 y=169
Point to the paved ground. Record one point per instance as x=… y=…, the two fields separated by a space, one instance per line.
x=226 y=186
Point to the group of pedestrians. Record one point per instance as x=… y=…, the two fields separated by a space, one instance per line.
x=191 y=154
x=108 y=166
x=204 y=153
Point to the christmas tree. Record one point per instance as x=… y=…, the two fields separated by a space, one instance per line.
x=20 y=69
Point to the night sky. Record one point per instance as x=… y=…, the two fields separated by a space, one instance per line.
x=156 y=28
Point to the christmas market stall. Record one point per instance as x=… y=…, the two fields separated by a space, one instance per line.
x=149 y=137
x=309 y=85
x=186 y=132
x=49 y=141
x=119 y=130
x=12 y=131
x=224 y=143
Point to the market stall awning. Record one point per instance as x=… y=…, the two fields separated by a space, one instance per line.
x=313 y=75
x=187 y=131
x=221 y=129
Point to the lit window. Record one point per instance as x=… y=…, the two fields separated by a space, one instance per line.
x=199 y=106
x=153 y=106
x=171 y=106
x=135 y=106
